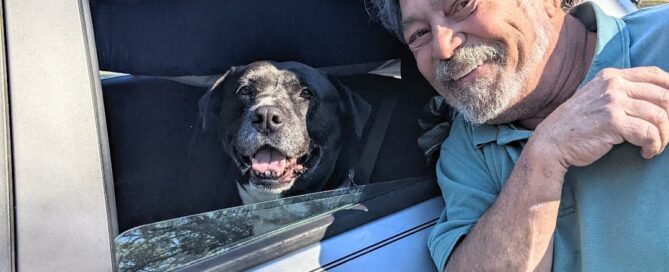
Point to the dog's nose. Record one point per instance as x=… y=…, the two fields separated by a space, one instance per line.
x=267 y=119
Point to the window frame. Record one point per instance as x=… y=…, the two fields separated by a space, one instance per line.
x=47 y=199
x=65 y=216
x=7 y=257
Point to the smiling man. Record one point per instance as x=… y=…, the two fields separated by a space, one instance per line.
x=542 y=168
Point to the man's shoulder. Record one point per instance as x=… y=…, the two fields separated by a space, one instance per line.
x=648 y=22
x=466 y=137
x=648 y=36
x=658 y=13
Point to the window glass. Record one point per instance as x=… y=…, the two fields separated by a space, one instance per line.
x=178 y=242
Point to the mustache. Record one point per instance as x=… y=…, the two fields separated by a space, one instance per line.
x=466 y=58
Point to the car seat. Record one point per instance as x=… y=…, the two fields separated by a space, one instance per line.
x=164 y=164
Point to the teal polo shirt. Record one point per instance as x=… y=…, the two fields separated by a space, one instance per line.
x=614 y=214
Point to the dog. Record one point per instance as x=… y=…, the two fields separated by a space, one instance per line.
x=289 y=128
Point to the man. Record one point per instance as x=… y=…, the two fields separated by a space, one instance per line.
x=542 y=168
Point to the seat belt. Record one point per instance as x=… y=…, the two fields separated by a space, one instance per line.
x=377 y=133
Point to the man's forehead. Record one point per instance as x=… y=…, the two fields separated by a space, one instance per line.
x=414 y=10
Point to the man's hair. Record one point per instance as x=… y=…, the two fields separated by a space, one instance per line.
x=387 y=13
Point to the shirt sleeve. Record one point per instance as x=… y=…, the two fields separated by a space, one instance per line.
x=468 y=189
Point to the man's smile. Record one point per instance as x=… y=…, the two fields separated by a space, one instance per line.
x=466 y=70
x=471 y=74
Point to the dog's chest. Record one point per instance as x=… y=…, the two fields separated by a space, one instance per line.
x=271 y=219
x=250 y=195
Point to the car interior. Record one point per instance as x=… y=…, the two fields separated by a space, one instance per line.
x=165 y=166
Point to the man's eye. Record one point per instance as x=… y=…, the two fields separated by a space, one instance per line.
x=418 y=34
x=463 y=8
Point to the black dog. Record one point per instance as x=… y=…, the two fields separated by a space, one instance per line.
x=289 y=128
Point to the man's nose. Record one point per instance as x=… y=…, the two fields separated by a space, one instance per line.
x=444 y=42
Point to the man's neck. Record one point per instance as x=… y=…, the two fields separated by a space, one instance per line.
x=565 y=69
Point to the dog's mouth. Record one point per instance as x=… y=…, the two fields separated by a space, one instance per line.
x=271 y=170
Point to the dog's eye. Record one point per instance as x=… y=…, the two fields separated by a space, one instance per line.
x=306 y=94
x=245 y=90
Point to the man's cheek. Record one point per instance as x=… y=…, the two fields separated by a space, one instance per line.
x=423 y=61
x=427 y=70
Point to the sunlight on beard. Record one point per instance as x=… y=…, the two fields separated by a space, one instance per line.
x=488 y=96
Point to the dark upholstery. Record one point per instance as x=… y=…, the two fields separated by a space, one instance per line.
x=204 y=37
x=164 y=165
x=399 y=156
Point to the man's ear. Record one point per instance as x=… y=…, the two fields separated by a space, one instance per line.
x=355 y=109
x=552 y=7
x=210 y=103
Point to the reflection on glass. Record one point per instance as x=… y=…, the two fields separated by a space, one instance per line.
x=178 y=242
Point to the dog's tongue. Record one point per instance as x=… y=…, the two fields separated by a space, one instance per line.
x=268 y=159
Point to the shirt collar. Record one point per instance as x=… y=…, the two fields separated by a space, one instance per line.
x=612 y=51
x=612 y=38
x=500 y=134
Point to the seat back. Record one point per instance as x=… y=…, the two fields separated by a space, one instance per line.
x=164 y=165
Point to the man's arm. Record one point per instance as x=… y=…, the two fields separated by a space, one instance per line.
x=515 y=233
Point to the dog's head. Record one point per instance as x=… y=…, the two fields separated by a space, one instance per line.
x=284 y=124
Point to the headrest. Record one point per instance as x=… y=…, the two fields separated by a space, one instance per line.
x=205 y=37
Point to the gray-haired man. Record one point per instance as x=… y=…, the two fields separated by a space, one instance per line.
x=541 y=170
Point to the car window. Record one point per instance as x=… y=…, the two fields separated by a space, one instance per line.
x=399 y=164
x=177 y=182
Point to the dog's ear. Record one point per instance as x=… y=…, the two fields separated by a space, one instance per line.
x=210 y=103
x=354 y=107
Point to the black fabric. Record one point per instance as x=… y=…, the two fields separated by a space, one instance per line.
x=376 y=135
x=203 y=37
x=399 y=157
x=435 y=120
x=164 y=165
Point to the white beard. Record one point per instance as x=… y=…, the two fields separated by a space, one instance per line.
x=490 y=96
